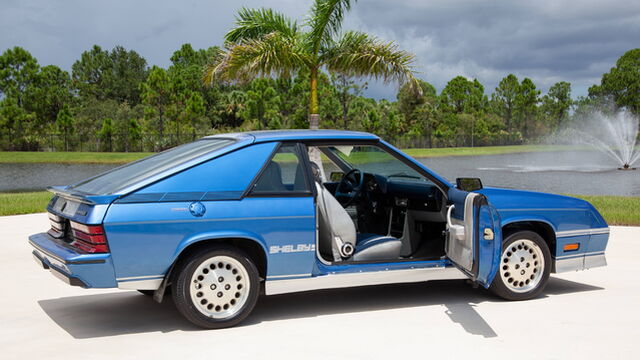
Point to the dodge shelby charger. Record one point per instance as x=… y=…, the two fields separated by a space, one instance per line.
x=217 y=222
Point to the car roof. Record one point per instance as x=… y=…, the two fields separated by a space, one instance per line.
x=283 y=135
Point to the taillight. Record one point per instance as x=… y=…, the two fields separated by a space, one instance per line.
x=57 y=229
x=89 y=238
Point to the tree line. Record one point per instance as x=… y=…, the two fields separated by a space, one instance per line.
x=112 y=100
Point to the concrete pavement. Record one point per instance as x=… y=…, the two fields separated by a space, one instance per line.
x=588 y=315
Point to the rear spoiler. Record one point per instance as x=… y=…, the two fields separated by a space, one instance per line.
x=79 y=196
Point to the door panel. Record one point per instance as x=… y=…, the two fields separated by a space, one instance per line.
x=459 y=245
x=490 y=243
x=474 y=236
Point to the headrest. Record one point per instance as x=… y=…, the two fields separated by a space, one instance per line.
x=315 y=171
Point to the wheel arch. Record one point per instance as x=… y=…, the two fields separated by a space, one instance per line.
x=540 y=227
x=252 y=245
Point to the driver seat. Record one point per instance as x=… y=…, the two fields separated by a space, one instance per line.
x=337 y=234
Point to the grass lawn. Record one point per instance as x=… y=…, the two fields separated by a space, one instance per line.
x=23 y=202
x=121 y=158
x=69 y=157
x=617 y=210
x=487 y=150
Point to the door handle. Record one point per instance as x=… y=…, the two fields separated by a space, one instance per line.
x=488 y=234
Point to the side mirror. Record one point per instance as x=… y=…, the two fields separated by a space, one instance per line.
x=336 y=176
x=468 y=184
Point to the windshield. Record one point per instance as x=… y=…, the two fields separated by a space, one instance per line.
x=374 y=160
x=127 y=175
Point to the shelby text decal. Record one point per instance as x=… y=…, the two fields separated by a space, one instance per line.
x=291 y=248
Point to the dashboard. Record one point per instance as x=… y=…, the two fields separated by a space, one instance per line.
x=407 y=193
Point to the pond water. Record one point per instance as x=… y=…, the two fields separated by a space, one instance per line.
x=572 y=172
x=21 y=177
x=577 y=172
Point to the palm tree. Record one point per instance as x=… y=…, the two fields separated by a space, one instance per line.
x=267 y=43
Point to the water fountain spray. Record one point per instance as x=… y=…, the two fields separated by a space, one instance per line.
x=615 y=135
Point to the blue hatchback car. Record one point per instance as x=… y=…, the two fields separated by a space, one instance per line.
x=219 y=221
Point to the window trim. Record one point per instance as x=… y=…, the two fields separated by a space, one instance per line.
x=134 y=187
x=294 y=193
x=444 y=188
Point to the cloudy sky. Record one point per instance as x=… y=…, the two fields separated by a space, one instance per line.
x=546 y=40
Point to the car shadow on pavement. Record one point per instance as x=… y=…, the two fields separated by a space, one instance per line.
x=121 y=313
x=117 y=313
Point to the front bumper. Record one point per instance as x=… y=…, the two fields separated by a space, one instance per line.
x=70 y=266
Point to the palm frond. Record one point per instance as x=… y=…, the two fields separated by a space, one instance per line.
x=325 y=21
x=357 y=54
x=214 y=68
x=273 y=54
x=252 y=24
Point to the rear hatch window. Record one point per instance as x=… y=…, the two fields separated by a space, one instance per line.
x=127 y=175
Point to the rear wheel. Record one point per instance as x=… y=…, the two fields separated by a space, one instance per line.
x=216 y=287
x=525 y=264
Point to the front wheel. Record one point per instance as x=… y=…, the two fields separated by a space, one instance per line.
x=216 y=287
x=525 y=265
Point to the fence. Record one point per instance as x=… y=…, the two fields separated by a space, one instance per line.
x=117 y=142
x=458 y=140
x=151 y=142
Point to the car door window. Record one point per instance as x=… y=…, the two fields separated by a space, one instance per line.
x=283 y=173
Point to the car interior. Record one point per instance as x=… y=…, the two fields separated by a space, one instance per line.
x=374 y=207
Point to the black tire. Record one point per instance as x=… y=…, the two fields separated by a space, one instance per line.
x=182 y=283
x=502 y=285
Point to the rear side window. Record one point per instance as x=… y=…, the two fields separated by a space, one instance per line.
x=225 y=177
x=124 y=176
x=284 y=173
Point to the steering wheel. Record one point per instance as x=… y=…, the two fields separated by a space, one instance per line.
x=350 y=187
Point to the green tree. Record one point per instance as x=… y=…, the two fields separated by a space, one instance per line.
x=527 y=105
x=347 y=89
x=263 y=105
x=134 y=134
x=419 y=110
x=156 y=98
x=364 y=114
x=64 y=124
x=16 y=125
x=18 y=73
x=88 y=73
x=106 y=133
x=128 y=70
x=194 y=112
x=409 y=100
x=51 y=92
x=622 y=82
x=557 y=103
x=461 y=95
x=504 y=99
x=186 y=71
x=114 y=74
x=230 y=108
x=265 y=43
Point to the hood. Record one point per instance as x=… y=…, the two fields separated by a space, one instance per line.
x=504 y=199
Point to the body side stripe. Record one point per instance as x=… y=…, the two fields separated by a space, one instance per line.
x=582 y=232
x=594 y=253
x=209 y=220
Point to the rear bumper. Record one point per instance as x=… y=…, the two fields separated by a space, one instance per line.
x=75 y=269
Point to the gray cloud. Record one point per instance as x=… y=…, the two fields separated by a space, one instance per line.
x=547 y=40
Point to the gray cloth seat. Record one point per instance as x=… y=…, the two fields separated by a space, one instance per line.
x=337 y=234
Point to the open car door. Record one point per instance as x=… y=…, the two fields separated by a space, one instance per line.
x=474 y=236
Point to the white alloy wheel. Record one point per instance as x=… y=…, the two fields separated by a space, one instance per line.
x=219 y=287
x=522 y=266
